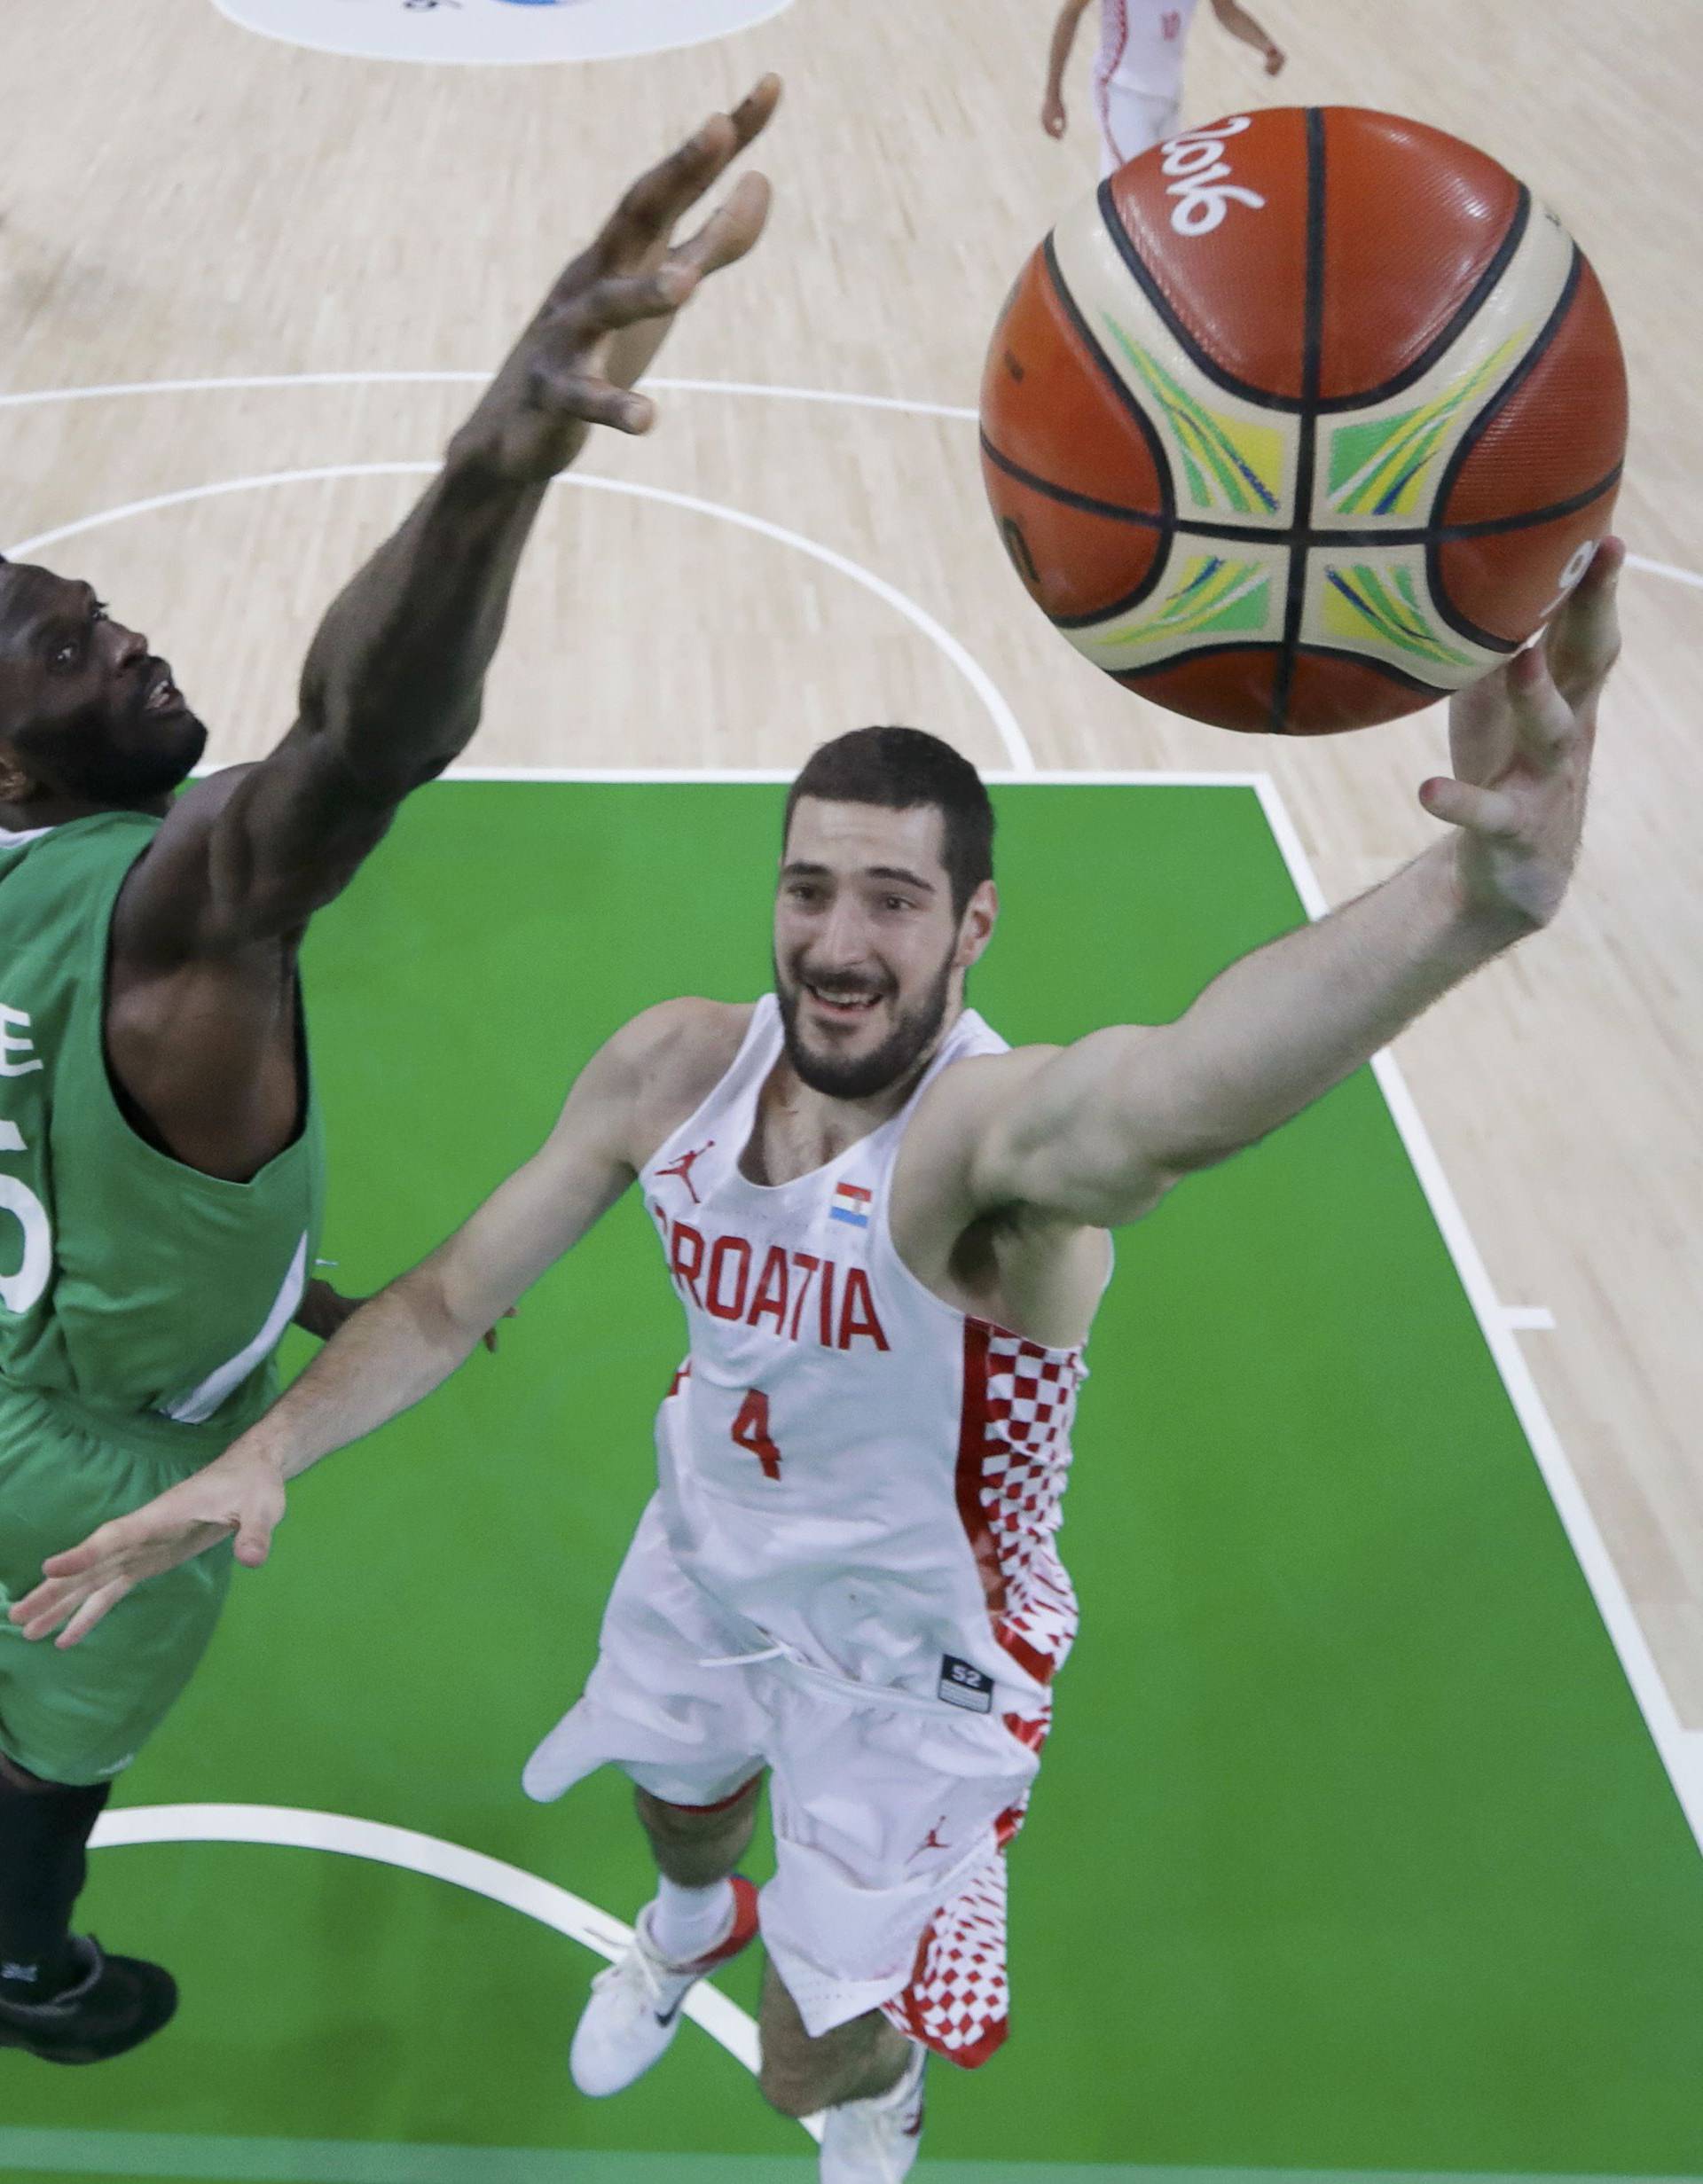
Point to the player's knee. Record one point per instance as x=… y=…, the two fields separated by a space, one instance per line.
x=791 y=2083
x=32 y=1785
x=686 y=1823
x=676 y=1822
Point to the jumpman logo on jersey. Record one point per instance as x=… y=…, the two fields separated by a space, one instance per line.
x=682 y=1168
x=931 y=1841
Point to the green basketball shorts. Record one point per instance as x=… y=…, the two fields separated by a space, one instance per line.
x=82 y=1715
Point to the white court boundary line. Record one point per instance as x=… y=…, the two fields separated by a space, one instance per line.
x=1680 y=1749
x=261 y=380
x=295 y=1828
x=775 y=392
x=1005 y=721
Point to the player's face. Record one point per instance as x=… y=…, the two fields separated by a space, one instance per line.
x=868 y=954
x=86 y=711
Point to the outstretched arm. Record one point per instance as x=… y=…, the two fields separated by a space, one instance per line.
x=1241 y=25
x=387 y=1356
x=394 y=680
x=1054 y=119
x=1099 y=1132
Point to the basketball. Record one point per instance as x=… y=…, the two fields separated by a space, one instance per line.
x=1304 y=421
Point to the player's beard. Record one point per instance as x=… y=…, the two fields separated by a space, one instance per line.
x=913 y=1033
x=84 y=759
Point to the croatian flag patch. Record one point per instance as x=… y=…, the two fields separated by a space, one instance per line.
x=852 y=1204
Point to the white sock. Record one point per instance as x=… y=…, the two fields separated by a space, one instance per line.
x=687 y=1923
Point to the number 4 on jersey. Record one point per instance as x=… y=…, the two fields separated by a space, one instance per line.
x=751 y=1431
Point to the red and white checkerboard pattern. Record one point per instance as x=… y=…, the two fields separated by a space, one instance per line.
x=958 y=2002
x=1026 y=1401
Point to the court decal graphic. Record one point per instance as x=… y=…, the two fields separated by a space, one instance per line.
x=503 y=32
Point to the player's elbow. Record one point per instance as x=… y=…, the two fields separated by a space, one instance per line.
x=390 y=740
x=445 y=1309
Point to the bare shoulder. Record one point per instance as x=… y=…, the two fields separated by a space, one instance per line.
x=206 y=798
x=192 y=815
x=665 y=1061
x=169 y=878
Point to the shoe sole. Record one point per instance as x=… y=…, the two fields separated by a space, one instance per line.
x=14 y=2035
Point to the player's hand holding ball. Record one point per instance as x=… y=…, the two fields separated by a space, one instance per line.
x=571 y=369
x=1521 y=743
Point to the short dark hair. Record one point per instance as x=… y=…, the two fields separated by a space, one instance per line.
x=900 y=769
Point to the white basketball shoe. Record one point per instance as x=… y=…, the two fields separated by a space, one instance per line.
x=875 y=2141
x=634 y=2011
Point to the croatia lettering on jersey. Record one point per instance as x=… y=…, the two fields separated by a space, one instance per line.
x=803 y=1296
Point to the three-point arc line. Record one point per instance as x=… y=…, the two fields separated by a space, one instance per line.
x=296 y=1828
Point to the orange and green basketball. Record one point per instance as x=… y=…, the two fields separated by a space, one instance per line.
x=1305 y=419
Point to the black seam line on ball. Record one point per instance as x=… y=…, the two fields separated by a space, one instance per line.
x=1306 y=449
x=1377 y=667
x=1124 y=244
x=1188 y=659
x=1438 y=346
x=1493 y=527
x=1144 y=517
x=1409 y=373
x=1306 y=652
x=1462 y=624
x=1124 y=606
x=1109 y=372
x=1192 y=527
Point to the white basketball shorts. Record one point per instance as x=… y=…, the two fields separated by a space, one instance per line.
x=1131 y=122
x=891 y=1822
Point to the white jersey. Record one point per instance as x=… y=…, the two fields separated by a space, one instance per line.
x=1141 y=46
x=863 y=1479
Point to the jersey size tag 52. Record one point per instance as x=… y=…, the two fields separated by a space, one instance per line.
x=962 y=1684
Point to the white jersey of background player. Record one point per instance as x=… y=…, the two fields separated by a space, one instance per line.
x=1138 y=73
x=888 y=1229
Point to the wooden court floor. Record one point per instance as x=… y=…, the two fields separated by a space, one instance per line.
x=181 y=200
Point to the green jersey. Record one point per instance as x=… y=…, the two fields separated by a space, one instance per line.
x=132 y=1285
